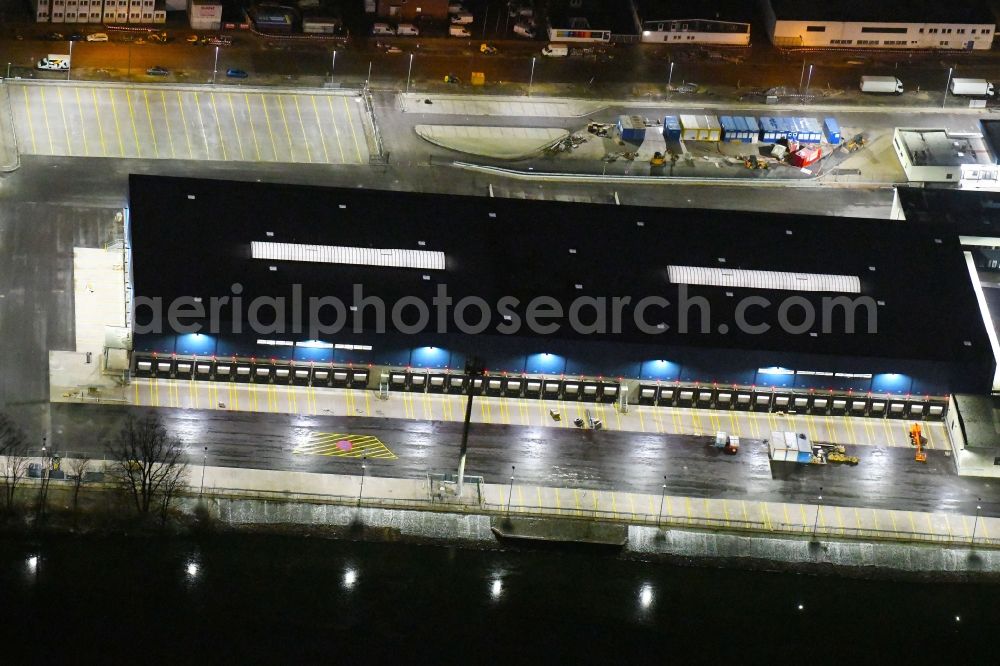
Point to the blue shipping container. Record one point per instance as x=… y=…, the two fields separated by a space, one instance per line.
x=632 y=128
x=832 y=130
x=729 y=130
x=672 y=128
x=753 y=129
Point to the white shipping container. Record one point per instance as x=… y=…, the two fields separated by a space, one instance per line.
x=700 y=128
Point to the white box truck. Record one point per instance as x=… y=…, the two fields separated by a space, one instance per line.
x=881 y=84
x=556 y=51
x=973 y=87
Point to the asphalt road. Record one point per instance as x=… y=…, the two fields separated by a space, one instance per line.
x=886 y=478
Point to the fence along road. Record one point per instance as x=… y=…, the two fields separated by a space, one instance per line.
x=183 y=122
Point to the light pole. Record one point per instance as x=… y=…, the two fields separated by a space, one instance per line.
x=511 y=490
x=486 y=17
x=215 y=67
x=333 y=63
x=474 y=369
x=802 y=74
x=408 y=71
x=809 y=79
x=8 y=70
x=69 y=65
x=362 y=488
x=531 y=79
x=204 y=461
x=946 y=86
x=975 y=523
x=670 y=76
x=663 y=496
x=816 y=522
x=368 y=80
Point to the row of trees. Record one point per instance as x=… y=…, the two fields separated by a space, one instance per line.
x=148 y=466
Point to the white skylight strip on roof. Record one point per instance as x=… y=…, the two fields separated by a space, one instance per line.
x=340 y=254
x=776 y=280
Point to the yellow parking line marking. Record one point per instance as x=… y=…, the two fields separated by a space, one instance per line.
x=788 y=521
x=136 y=401
x=319 y=125
x=520 y=497
x=118 y=128
x=538 y=490
x=236 y=125
x=357 y=149
x=83 y=131
x=149 y=118
x=631 y=503
x=576 y=499
x=27 y=114
x=368 y=406
x=218 y=127
x=558 y=503
x=253 y=132
x=874 y=519
x=288 y=133
x=336 y=131
x=948 y=525
x=193 y=390
x=857 y=519
x=892 y=517
x=166 y=119
x=913 y=527
x=201 y=121
x=888 y=433
x=687 y=504
x=131 y=115
x=45 y=115
x=614 y=505
x=267 y=117
x=840 y=519
x=184 y=124
x=62 y=112
x=305 y=139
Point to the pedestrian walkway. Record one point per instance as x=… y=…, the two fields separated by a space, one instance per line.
x=659 y=508
x=305 y=400
x=191 y=123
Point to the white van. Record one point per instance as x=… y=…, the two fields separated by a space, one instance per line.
x=54 y=61
x=97 y=37
x=462 y=18
x=407 y=30
x=556 y=51
x=524 y=30
x=458 y=31
x=383 y=29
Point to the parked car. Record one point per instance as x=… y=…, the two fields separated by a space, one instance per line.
x=236 y=73
x=76 y=37
x=55 y=37
x=524 y=30
x=462 y=18
x=156 y=70
x=458 y=31
x=407 y=30
x=97 y=37
x=383 y=29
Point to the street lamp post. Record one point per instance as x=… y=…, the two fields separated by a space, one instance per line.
x=670 y=76
x=474 y=369
x=408 y=71
x=486 y=17
x=802 y=74
x=816 y=521
x=531 y=79
x=368 y=80
x=215 y=67
x=809 y=79
x=663 y=496
x=975 y=523
x=69 y=68
x=333 y=63
x=361 y=490
x=204 y=461
x=8 y=70
x=510 y=491
x=946 y=86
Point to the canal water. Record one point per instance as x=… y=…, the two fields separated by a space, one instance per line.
x=239 y=599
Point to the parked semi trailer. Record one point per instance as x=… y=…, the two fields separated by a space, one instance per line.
x=881 y=84
x=971 y=87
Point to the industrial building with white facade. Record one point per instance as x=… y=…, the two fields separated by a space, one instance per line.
x=917 y=24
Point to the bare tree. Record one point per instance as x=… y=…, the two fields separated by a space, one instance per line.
x=78 y=468
x=43 y=486
x=13 y=458
x=148 y=463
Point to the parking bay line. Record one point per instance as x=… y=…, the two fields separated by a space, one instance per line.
x=305 y=139
x=27 y=114
x=319 y=125
x=79 y=109
x=236 y=125
x=131 y=115
x=48 y=130
x=166 y=119
x=288 y=134
x=218 y=128
x=149 y=119
x=353 y=133
x=187 y=135
x=267 y=117
x=336 y=131
x=201 y=121
x=114 y=114
x=253 y=132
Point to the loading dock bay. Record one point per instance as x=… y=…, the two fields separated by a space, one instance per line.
x=307 y=400
x=187 y=122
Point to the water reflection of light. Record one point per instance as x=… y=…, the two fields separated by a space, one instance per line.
x=958 y=618
x=33 y=564
x=350 y=576
x=646 y=596
x=192 y=569
x=496 y=588
x=801 y=607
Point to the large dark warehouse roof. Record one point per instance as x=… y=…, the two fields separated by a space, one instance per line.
x=912 y=11
x=192 y=238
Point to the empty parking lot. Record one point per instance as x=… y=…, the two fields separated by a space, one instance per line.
x=182 y=122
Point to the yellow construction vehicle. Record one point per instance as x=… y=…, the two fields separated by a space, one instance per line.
x=657 y=160
x=917 y=440
x=486 y=49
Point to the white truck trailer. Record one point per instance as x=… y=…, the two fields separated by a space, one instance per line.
x=881 y=84
x=971 y=87
x=54 y=61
